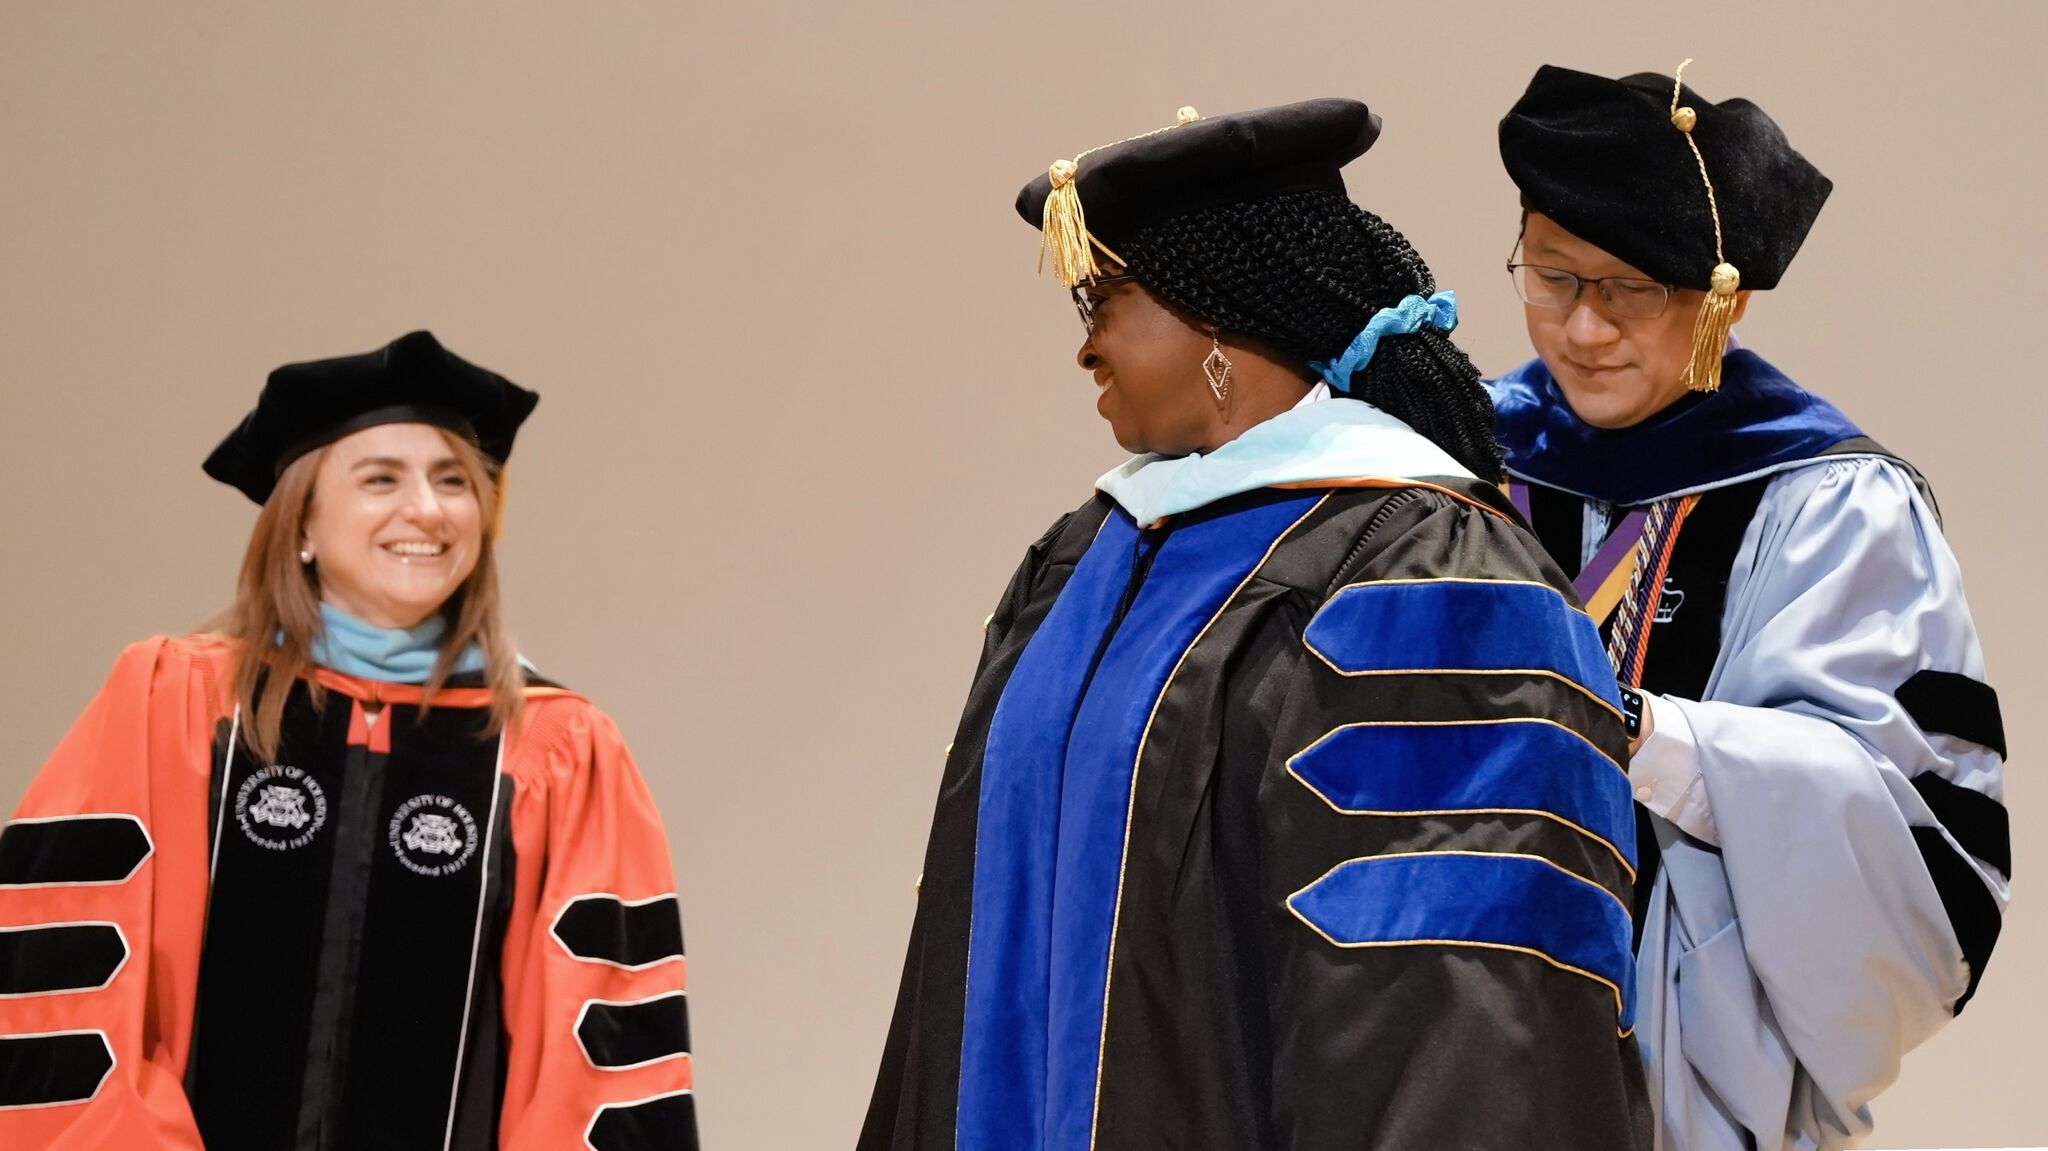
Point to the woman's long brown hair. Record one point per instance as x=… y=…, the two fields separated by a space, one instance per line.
x=276 y=613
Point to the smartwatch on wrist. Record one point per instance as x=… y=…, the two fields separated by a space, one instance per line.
x=1632 y=711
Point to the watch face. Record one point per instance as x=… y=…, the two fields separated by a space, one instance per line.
x=1632 y=711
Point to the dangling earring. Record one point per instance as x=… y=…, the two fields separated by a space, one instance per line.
x=1216 y=368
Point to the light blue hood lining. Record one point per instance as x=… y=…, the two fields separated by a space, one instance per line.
x=1332 y=440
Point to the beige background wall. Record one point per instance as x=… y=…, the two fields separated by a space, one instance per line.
x=805 y=402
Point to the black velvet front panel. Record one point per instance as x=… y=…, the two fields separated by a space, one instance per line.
x=348 y=988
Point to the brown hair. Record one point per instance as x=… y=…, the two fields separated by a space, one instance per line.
x=277 y=607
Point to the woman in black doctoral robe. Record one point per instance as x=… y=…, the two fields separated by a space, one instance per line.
x=1287 y=807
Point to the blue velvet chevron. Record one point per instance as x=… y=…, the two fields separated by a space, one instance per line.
x=1518 y=902
x=1461 y=625
x=1511 y=765
x=1057 y=774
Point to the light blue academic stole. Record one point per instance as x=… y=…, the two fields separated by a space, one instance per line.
x=391 y=654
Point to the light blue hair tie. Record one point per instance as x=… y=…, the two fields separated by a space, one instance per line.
x=1410 y=315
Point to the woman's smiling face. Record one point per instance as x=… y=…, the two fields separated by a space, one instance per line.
x=1146 y=358
x=395 y=526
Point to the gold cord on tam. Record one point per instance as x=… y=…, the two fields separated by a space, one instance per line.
x=1717 y=311
x=1065 y=227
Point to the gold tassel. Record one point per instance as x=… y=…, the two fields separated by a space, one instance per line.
x=1710 y=330
x=1717 y=311
x=1066 y=230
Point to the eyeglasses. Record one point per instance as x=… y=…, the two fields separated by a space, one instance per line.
x=1627 y=296
x=1086 y=306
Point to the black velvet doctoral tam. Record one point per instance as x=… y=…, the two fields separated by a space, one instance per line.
x=1228 y=159
x=413 y=379
x=1602 y=158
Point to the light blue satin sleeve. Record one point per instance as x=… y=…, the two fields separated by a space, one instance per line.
x=1787 y=974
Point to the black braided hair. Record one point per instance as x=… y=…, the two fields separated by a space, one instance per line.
x=1301 y=273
